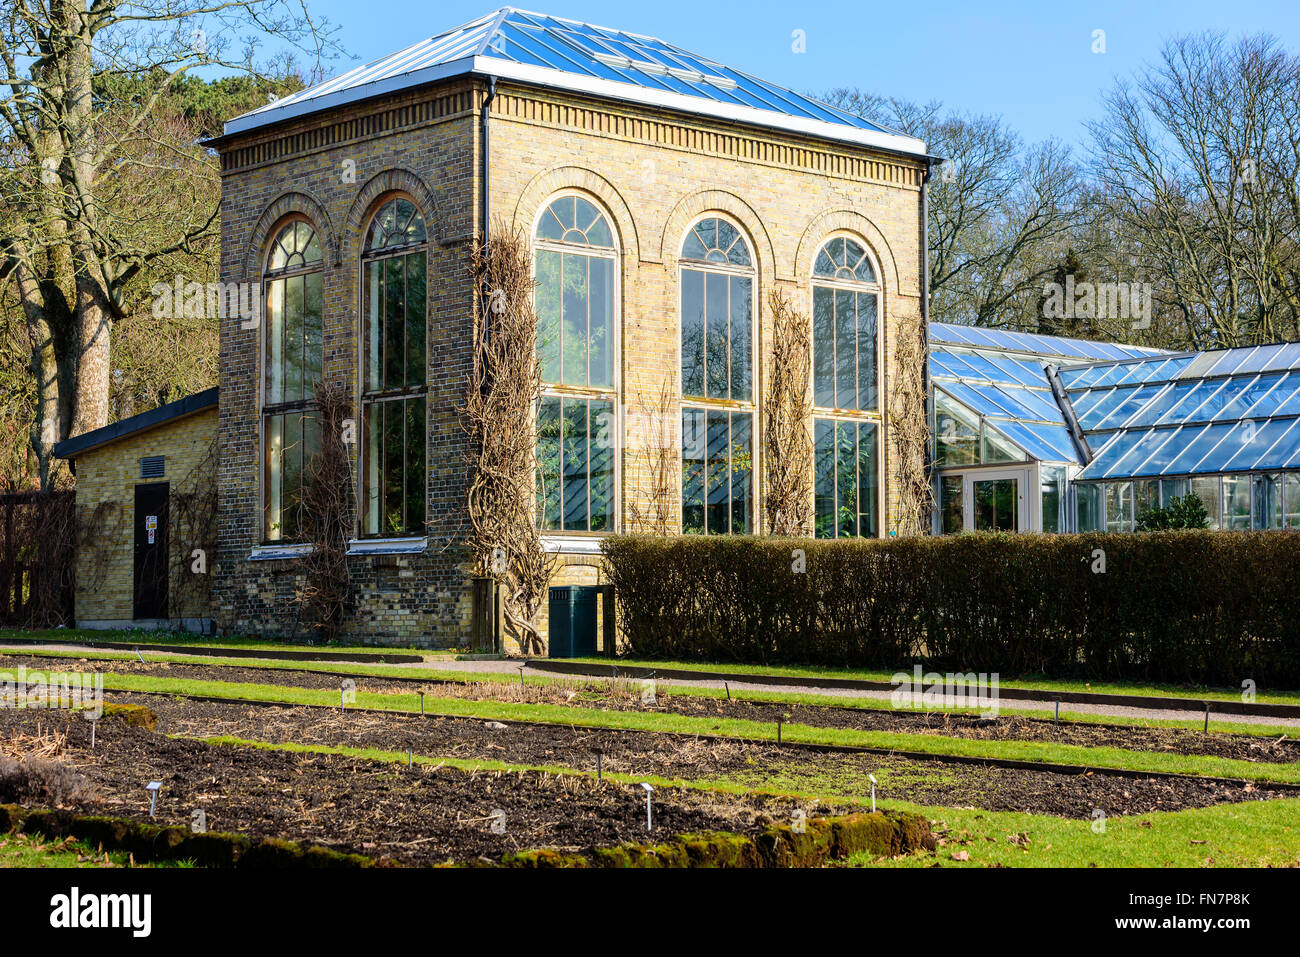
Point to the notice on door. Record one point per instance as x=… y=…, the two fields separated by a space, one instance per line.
x=151 y=526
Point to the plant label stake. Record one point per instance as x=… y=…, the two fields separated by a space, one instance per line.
x=421 y=702
x=649 y=821
x=409 y=758
x=873 y=792
x=1056 y=719
x=152 y=787
x=521 y=673
x=92 y=733
x=728 y=687
x=140 y=656
x=599 y=752
x=1207 y=717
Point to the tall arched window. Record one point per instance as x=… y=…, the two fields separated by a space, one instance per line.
x=846 y=424
x=577 y=422
x=717 y=313
x=394 y=376
x=292 y=284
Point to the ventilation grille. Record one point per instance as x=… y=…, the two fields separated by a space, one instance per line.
x=152 y=466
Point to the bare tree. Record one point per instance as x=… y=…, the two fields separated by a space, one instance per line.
x=1197 y=159
x=72 y=138
x=1000 y=212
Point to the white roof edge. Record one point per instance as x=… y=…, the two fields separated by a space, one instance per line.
x=560 y=79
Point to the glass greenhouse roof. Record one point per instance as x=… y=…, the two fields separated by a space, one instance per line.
x=999 y=375
x=550 y=51
x=1232 y=410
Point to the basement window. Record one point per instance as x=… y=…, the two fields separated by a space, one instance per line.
x=152 y=466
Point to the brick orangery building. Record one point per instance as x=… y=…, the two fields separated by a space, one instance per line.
x=664 y=196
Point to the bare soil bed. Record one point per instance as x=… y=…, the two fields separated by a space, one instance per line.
x=754 y=764
x=421 y=815
x=625 y=695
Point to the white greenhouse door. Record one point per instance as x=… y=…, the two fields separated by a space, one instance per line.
x=997 y=501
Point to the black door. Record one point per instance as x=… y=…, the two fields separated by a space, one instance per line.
x=572 y=622
x=151 y=550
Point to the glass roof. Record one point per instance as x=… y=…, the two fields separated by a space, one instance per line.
x=584 y=54
x=1049 y=347
x=1000 y=376
x=1232 y=410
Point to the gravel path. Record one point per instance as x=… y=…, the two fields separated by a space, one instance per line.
x=1194 y=711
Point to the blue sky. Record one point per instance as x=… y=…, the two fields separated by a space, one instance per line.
x=1031 y=62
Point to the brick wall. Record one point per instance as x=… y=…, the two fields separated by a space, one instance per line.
x=106 y=481
x=653 y=173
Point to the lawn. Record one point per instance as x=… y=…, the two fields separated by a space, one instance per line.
x=1028 y=682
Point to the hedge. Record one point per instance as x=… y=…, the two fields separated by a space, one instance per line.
x=1179 y=606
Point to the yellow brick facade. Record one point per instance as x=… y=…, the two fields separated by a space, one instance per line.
x=653 y=174
x=107 y=477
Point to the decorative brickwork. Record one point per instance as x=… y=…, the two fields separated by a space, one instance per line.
x=651 y=172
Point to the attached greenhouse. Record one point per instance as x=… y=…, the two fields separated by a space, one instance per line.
x=1044 y=433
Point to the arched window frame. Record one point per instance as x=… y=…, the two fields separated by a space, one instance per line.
x=705 y=417
x=834 y=425
x=564 y=403
x=380 y=502
x=288 y=432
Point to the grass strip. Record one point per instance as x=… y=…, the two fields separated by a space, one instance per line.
x=1044 y=752
x=755 y=695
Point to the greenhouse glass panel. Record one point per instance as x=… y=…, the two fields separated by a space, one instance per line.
x=1200 y=448
x=1055 y=437
x=1108 y=455
x=1015 y=371
x=1286 y=357
x=1089 y=420
x=1236 y=503
x=956 y=433
x=1146 y=497
x=974 y=400
x=1139 y=453
x=1290 y=405
x=1088 y=507
x=1171 y=489
x=1291 y=500
x=1160 y=459
x=1247 y=397
x=1131 y=404
x=952 y=504
x=1041 y=404
x=1084 y=403
x=1162 y=403
x=994 y=449
x=1206 y=488
x=1119 y=506
x=1269 y=402
x=1218 y=401
x=1182 y=411
x=1051 y=484
x=1268 y=501
x=1255 y=442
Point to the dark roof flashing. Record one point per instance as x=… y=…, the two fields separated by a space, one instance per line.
x=171 y=411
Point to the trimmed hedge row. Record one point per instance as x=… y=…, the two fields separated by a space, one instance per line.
x=823 y=839
x=1180 y=606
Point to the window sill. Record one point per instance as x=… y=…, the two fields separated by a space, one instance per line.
x=273 y=553
x=387 y=546
x=572 y=544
